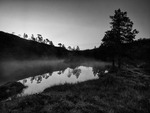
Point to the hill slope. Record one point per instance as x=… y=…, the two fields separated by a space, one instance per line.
x=14 y=47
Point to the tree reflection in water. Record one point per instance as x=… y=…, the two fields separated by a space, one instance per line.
x=96 y=71
x=59 y=72
x=32 y=78
x=69 y=75
x=71 y=71
x=43 y=76
x=24 y=81
x=99 y=71
x=76 y=72
x=38 y=78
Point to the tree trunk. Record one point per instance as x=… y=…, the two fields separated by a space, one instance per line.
x=119 y=62
x=113 y=62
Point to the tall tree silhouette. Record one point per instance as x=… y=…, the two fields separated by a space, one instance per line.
x=63 y=46
x=121 y=32
x=40 y=38
x=47 y=41
x=69 y=47
x=25 y=36
x=32 y=38
x=60 y=44
x=51 y=43
x=77 y=48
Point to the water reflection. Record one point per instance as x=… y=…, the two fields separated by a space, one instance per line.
x=69 y=75
x=96 y=71
x=76 y=72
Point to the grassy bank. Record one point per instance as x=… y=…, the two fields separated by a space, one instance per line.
x=127 y=91
x=10 y=89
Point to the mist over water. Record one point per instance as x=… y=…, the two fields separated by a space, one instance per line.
x=16 y=70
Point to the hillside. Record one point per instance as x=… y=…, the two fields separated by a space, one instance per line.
x=14 y=47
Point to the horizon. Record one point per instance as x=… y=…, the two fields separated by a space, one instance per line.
x=71 y=22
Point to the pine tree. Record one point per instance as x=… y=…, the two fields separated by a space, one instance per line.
x=121 y=32
x=40 y=38
x=60 y=44
x=51 y=43
x=32 y=37
x=77 y=49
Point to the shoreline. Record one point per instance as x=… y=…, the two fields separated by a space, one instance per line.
x=125 y=91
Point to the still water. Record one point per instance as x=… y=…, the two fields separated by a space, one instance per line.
x=38 y=83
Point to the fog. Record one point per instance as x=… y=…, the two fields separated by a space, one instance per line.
x=13 y=70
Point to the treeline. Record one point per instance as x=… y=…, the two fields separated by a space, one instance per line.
x=39 y=38
x=14 y=47
x=136 y=50
x=17 y=47
x=118 y=45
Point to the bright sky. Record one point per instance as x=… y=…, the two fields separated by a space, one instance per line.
x=71 y=22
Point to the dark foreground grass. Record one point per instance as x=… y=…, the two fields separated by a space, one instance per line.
x=10 y=89
x=127 y=91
